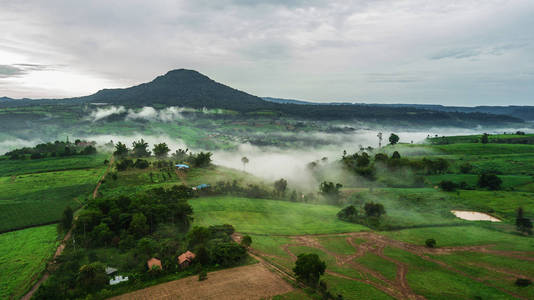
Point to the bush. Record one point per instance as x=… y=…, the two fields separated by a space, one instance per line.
x=430 y=243
x=490 y=181
x=203 y=275
x=522 y=282
x=246 y=241
x=448 y=185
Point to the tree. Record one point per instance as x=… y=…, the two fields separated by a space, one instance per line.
x=396 y=155
x=330 y=191
x=490 y=181
x=485 y=138
x=430 y=243
x=246 y=241
x=138 y=225
x=280 y=187
x=349 y=213
x=89 y=150
x=374 y=209
x=379 y=135
x=92 y=276
x=363 y=160
x=466 y=168
x=140 y=148
x=309 y=268
x=201 y=160
x=448 y=185
x=161 y=150
x=393 y=139
x=523 y=225
x=244 y=160
x=66 y=219
x=121 y=150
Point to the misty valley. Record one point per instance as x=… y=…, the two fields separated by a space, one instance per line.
x=186 y=188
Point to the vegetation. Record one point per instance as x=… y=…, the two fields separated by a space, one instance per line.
x=309 y=268
x=23 y=257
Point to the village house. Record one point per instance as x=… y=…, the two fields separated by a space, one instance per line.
x=185 y=259
x=154 y=262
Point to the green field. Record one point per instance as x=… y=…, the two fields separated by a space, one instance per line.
x=274 y=217
x=39 y=198
x=23 y=256
x=18 y=167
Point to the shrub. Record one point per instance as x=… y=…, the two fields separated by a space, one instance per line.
x=246 y=241
x=430 y=243
x=522 y=282
x=490 y=181
x=203 y=275
x=448 y=185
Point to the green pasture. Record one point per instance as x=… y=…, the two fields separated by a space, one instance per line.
x=23 y=256
x=50 y=164
x=274 y=217
x=464 y=236
x=38 y=198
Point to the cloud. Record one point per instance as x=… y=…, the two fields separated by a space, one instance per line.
x=101 y=113
x=302 y=49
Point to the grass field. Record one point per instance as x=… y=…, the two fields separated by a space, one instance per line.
x=41 y=197
x=18 y=167
x=23 y=255
x=269 y=216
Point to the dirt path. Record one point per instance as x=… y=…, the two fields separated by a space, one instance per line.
x=247 y=282
x=63 y=244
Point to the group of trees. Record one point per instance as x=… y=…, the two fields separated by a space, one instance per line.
x=155 y=223
x=55 y=149
x=161 y=152
x=370 y=214
x=140 y=149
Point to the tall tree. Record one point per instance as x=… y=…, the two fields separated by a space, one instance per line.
x=280 y=187
x=161 y=150
x=121 y=150
x=140 y=148
x=309 y=268
x=244 y=160
x=393 y=139
x=524 y=225
x=66 y=219
x=485 y=138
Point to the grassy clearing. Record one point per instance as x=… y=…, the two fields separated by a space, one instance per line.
x=336 y=244
x=262 y=216
x=464 y=236
x=23 y=255
x=427 y=278
x=39 y=198
x=353 y=289
x=374 y=262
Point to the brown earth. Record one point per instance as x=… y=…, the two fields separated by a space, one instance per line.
x=248 y=282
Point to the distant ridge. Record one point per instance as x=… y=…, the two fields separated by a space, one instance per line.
x=189 y=88
x=519 y=111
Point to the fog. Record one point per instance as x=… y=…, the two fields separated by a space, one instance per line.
x=147 y=113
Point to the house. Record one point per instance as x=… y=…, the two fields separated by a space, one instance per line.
x=182 y=166
x=154 y=262
x=110 y=270
x=201 y=187
x=185 y=259
x=118 y=279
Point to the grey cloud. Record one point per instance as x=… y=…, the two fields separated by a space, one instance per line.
x=10 y=71
x=456 y=53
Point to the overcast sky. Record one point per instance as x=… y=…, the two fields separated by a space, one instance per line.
x=447 y=52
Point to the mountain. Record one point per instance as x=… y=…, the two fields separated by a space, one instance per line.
x=188 y=88
x=180 y=88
